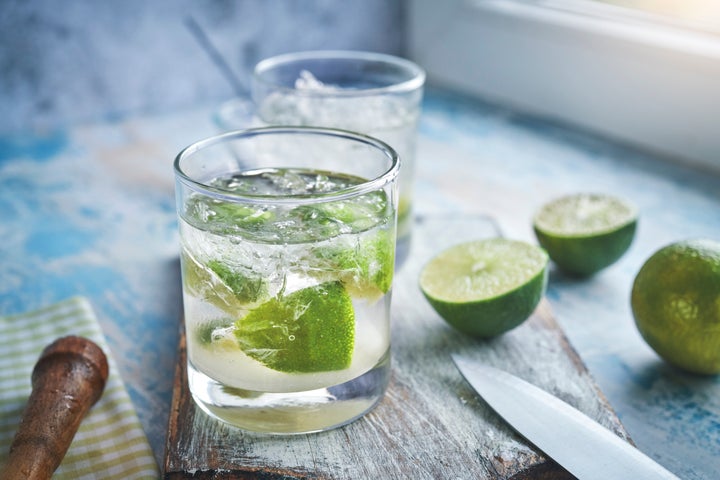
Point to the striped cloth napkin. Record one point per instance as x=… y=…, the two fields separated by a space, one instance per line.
x=110 y=442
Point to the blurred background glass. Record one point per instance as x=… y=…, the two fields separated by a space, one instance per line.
x=571 y=60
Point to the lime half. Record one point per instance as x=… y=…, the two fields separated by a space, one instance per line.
x=309 y=330
x=486 y=287
x=584 y=233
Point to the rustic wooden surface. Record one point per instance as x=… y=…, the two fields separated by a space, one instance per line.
x=430 y=424
x=89 y=210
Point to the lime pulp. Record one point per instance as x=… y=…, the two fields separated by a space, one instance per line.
x=486 y=287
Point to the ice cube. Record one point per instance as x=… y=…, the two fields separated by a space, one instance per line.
x=287 y=181
x=308 y=81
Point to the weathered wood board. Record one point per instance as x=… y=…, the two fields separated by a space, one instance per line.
x=430 y=425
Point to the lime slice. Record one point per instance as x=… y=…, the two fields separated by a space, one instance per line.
x=365 y=264
x=584 y=233
x=309 y=330
x=486 y=287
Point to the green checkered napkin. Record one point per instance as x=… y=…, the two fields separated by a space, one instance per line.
x=110 y=442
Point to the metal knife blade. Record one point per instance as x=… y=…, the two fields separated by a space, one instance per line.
x=575 y=441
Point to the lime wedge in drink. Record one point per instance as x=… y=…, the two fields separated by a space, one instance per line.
x=365 y=264
x=309 y=330
x=247 y=288
x=326 y=220
x=403 y=211
x=219 y=285
x=584 y=233
x=224 y=217
x=201 y=282
x=359 y=213
x=217 y=333
x=486 y=287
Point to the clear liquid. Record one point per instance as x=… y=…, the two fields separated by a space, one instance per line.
x=238 y=258
x=291 y=412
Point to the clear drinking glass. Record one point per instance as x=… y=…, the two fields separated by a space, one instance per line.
x=376 y=94
x=287 y=248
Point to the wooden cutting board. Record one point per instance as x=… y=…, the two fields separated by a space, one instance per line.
x=430 y=424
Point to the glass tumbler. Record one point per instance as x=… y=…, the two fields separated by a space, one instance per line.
x=288 y=239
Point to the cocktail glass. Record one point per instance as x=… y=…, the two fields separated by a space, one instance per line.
x=376 y=94
x=287 y=249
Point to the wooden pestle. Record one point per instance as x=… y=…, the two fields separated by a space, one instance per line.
x=67 y=380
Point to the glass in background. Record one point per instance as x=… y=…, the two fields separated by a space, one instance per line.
x=376 y=94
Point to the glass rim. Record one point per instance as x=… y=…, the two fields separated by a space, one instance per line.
x=370 y=185
x=416 y=75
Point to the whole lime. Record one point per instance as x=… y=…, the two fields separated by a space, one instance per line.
x=676 y=304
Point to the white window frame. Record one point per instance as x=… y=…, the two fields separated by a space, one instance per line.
x=652 y=84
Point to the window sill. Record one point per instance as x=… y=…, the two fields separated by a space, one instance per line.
x=651 y=85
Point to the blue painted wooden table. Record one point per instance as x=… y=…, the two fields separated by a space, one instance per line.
x=90 y=211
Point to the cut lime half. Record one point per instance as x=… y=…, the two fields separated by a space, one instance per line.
x=486 y=287
x=584 y=233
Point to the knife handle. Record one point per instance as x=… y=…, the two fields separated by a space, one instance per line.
x=67 y=380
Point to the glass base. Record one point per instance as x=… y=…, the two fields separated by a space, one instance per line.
x=293 y=412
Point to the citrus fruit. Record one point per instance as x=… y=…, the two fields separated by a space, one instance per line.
x=486 y=287
x=246 y=288
x=202 y=282
x=224 y=217
x=309 y=330
x=220 y=285
x=676 y=304
x=364 y=264
x=584 y=233
x=217 y=333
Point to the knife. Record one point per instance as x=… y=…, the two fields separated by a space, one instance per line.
x=575 y=441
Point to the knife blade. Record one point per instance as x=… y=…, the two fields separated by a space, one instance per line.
x=575 y=441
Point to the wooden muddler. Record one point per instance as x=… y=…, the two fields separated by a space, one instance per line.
x=67 y=380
